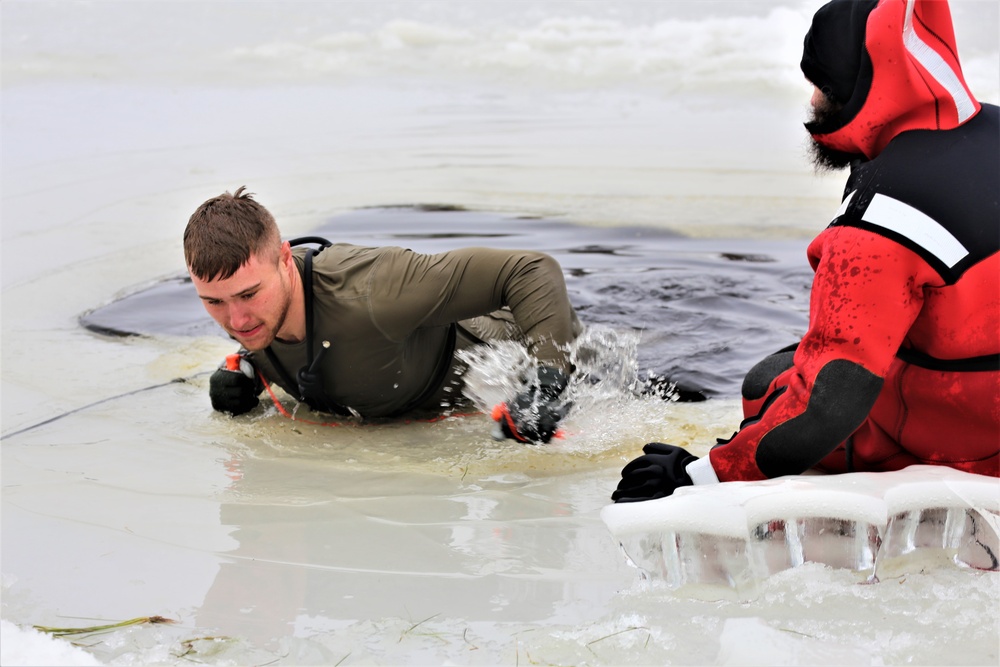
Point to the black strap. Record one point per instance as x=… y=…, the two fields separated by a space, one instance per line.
x=308 y=285
x=987 y=362
x=304 y=240
x=310 y=390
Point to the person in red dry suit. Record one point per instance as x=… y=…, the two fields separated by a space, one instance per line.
x=901 y=361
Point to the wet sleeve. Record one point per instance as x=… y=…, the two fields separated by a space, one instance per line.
x=866 y=294
x=410 y=290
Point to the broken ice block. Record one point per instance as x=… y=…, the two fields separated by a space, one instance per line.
x=957 y=515
x=737 y=533
x=687 y=538
x=814 y=522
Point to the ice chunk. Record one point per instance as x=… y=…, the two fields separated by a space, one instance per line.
x=689 y=538
x=739 y=533
x=806 y=521
x=942 y=512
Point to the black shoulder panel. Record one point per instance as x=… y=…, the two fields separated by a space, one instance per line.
x=936 y=192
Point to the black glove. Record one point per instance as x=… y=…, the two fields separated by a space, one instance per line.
x=536 y=412
x=655 y=474
x=234 y=387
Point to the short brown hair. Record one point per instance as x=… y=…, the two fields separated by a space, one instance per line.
x=225 y=231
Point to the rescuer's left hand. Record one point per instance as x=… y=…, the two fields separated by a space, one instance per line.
x=656 y=474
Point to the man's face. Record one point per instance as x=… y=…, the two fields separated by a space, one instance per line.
x=252 y=304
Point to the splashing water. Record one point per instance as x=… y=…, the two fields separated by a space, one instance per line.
x=606 y=362
x=605 y=368
x=496 y=372
x=612 y=407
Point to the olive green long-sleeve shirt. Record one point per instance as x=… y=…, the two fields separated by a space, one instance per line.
x=390 y=316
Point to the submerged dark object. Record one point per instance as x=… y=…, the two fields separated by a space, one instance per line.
x=707 y=309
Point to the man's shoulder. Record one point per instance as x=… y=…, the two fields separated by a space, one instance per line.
x=343 y=264
x=337 y=254
x=334 y=249
x=944 y=154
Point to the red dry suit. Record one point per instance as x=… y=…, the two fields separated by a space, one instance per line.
x=901 y=361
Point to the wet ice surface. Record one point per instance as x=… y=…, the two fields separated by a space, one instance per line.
x=426 y=544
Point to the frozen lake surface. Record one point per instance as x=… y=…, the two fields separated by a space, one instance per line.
x=611 y=134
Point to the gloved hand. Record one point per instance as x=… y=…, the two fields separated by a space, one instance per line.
x=655 y=474
x=535 y=413
x=234 y=387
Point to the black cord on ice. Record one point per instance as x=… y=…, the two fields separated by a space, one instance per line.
x=96 y=403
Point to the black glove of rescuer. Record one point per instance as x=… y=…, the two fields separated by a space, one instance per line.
x=655 y=474
x=234 y=387
x=536 y=412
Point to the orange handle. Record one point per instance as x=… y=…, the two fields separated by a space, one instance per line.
x=233 y=362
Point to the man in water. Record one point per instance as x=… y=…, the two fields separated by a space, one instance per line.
x=901 y=361
x=373 y=331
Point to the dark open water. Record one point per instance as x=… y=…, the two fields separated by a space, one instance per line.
x=706 y=309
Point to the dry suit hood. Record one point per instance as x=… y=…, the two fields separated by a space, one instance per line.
x=892 y=64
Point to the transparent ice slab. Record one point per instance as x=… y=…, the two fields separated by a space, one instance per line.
x=959 y=517
x=735 y=535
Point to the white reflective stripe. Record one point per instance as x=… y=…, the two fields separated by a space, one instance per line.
x=701 y=471
x=936 y=66
x=920 y=228
x=844 y=204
